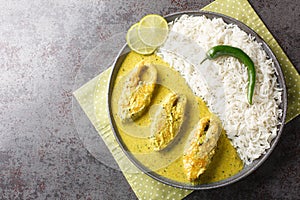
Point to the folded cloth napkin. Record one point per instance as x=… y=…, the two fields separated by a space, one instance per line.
x=92 y=99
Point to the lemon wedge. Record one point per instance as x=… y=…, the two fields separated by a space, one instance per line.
x=153 y=30
x=135 y=43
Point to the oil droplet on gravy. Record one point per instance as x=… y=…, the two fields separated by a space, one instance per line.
x=225 y=162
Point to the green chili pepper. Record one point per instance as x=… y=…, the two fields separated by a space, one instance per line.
x=224 y=50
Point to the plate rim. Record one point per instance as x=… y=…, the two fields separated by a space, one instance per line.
x=248 y=169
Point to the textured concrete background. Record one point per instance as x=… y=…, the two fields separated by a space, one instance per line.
x=42 y=46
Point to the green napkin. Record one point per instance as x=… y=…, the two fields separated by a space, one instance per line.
x=92 y=99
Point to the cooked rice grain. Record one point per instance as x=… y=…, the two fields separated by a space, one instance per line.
x=223 y=83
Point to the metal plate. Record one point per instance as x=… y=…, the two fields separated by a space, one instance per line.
x=248 y=169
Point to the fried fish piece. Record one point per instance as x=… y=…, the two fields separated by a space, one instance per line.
x=201 y=149
x=168 y=120
x=137 y=91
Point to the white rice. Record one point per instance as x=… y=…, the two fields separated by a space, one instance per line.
x=223 y=83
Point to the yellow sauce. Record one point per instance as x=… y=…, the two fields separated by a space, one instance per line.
x=168 y=162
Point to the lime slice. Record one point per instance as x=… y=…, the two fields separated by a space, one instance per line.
x=153 y=30
x=135 y=43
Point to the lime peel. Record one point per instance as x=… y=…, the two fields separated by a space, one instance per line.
x=148 y=34
x=135 y=43
x=153 y=30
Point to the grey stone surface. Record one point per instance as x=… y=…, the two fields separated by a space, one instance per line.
x=42 y=47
